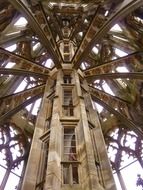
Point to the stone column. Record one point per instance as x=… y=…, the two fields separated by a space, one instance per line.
x=53 y=174
x=89 y=174
x=32 y=169
x=100 y=152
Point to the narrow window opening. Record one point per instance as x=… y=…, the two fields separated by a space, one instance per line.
x=67 y=79
x=69 y=145
x=66 y=174
x=75 y=174
x=70 y=164
x=68 y=108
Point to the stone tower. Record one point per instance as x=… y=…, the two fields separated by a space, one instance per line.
x=69 y=54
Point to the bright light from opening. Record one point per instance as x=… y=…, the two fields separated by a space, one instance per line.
x=131 y=172
x=21 y=86
x=95 y=50
x=36 y=107
x=122 y=70
x=84 y=65
x=106 y=13
x=2 y=173
x=10 y=65
x=36 y=46
x=116 y=28
x=49 y=63
x=120 y=53
x=28 y=107
x=11 y=48
x=114 y=57
x=117 y=182
x=21 y=22
x=80 y=33
x=52 y=3
x=84 y=5
x=85 y=20
x=120 y=38
x=97 y=107
x=107 y=89
x=9 y=34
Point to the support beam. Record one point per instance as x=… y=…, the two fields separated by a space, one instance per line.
x=24 y=94
x=127 y=32
x=45 y=34
x=115 y=102
x=133 y=75
x=18 y=108
x=91 y=61
x=78 y=25
x=10 y=102
x=53 y=19
x=41 y=17
x=25 y=63
x=136 y=25
x=99 y=27
x=114 y=63
x=128 y=123
x=71 y=10
x=21 y=72
x=120 y=44
x=8 y=41
x=108 y=97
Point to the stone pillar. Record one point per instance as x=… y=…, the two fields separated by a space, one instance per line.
x=32 y=169
x=100 y=152
x=89 y=174
x=53 y=173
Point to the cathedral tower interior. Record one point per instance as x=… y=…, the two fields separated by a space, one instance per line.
x=71 y=94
